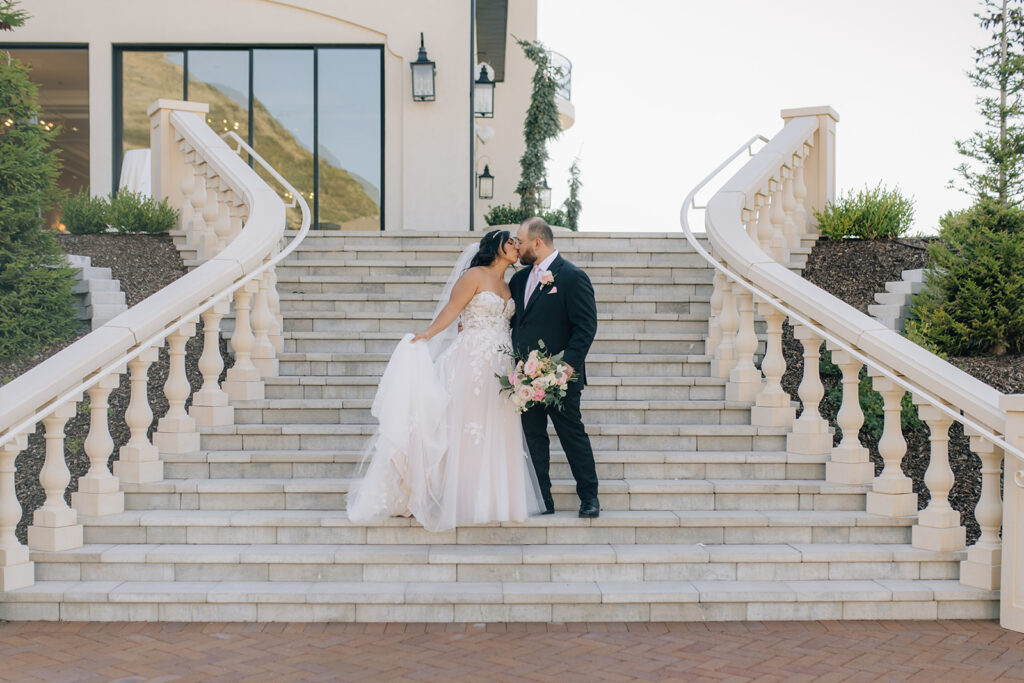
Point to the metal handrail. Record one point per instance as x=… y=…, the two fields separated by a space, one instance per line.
x=767 y=297
x=73 y=394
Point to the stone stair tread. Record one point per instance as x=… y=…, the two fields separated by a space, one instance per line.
x=591 y=358
x=624 y=404
x=432 y=297
x=426 y=315
x=601 y=336
x=607 y=429
x=321 y=380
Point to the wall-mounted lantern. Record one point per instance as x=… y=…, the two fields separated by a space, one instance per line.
x=485 y=184
x=483 y=96
x=544 y=195
x=423 y=71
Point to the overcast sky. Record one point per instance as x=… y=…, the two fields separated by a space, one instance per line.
x=665 y=89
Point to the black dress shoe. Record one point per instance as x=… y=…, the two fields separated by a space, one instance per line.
x=549 y=506
x=590 y=508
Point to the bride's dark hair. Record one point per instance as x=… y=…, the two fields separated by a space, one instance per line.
x=490 y=247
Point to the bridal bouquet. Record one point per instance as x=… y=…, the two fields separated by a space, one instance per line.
x=537 y=379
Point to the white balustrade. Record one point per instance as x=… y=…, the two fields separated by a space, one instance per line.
x=222 y=228
x=138 y=461
x=799 y=193
x=243 y=380
x=938 y=525
x=850 y=462
x=210 y=404
x=744 y=378
x=176 y=431
x=764 y=221
x=211 y=214
x=780 y=250
x=264 y=356
x=788 y=207
x=16 y=570
x=983 y=565
x=188 y=186
x=892 y=493
x=729 y=322
x=810 y=434
x=773 y=406
x=276 y=332
x=749 y=218
x=714 y=320
x=55 y=525
x=99 y=491
x=198 y=227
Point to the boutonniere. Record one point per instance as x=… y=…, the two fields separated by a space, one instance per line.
x=547 y=278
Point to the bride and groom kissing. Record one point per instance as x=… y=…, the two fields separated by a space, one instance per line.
x=449 y=448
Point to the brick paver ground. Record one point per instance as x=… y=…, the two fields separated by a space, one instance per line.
x=758 y=651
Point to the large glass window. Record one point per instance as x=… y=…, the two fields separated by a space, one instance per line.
x=314 y=113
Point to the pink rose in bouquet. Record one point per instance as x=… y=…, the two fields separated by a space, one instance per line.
x=537 y=379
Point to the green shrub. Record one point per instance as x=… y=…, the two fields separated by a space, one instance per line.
x=554 y=217
x=504 y=214
x=84 y=215
x=36 y=305
x=973 y=299
x=871 y=213
x=132 y=212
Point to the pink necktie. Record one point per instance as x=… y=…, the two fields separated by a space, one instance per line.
x=531 y=284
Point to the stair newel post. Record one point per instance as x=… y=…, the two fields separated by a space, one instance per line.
x=55 y=525
x=176 y=431
x=772 y=407
x=222 y=228
x=982 y=567
x=210 y=407
x=276 y=320
x=99 y=491
x=211 y=214
x=938 y=525
x=850 y=462
x=243 y=381
x=1011 y=579
x=729 y=322
x=892 y=491
x=800 y=192
x=789 y=207
x=16 y=570
x=138 y=461
x=764 y=221
x=780 y=250
x=263 y=352
x=810 y=434
x=744 y=379
x=714 y=321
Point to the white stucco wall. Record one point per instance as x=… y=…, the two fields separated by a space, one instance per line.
x=427 y=144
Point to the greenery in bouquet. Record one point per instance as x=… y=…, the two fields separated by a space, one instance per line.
x=537 y=379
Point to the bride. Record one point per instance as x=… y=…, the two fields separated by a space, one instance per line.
x=449 y=448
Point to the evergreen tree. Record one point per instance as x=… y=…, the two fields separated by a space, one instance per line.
x=572 y=205
x=36 y=304
x=995 y=155
x=541 y=125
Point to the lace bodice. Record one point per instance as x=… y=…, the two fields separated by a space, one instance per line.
x=488 y=311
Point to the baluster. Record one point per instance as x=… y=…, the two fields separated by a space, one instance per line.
x=780 y=252
x=850 y=462
x=749 y=218
x=176 y=431
x=744 y=379
x=799 y=193
x=55 y=525
x=16 y=570
x=938 y=525
x=138 y=461
x=892 y=491
x=210 y=404
x=99 y=491
x=198 y=229
x=773 y=407
x=188 y=185
x=789 y=206
x=222 y=228
x=243 y=381
x=729 y=321
x=211 y=214
x=714 y=320
x=276 y=332
x=983 y=565
x=810 y=434
x=764 y=222
x=263 y=355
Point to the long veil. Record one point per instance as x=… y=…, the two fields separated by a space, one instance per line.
x=443 y=339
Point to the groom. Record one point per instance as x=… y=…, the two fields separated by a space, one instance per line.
x=555 y=303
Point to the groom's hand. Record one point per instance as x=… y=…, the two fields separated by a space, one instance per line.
x=571 y=369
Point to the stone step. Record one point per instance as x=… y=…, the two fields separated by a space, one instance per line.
x=444 y=561
x=290 y=527
x=287 y=464
x=357 y=411
x=598 y=364
x=400 y=289
x=324 y=493
x=604 y=437
x=598 y=388
x=491 y=601
x=683 y=264
x=385 y=342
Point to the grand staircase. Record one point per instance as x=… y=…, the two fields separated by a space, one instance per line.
x=705 y=517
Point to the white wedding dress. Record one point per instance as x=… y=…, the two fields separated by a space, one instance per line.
x=449 y=449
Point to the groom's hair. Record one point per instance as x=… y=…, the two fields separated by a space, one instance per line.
x=538 y=227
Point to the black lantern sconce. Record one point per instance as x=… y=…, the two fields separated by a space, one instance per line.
x=483 y=96
x=544 y=195
x=485 y=184
x=423 y=71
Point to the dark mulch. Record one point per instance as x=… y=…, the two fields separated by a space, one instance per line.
x=854 y=270
x=144 y=264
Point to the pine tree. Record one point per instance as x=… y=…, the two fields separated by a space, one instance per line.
x=995 y=155
x=541 y=125
x=572 y=205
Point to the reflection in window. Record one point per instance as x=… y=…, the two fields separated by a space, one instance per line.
x=220 y=78
x=349 y=138
x=146 y=77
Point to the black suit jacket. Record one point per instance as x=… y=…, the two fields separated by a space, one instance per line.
x=563 y=314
